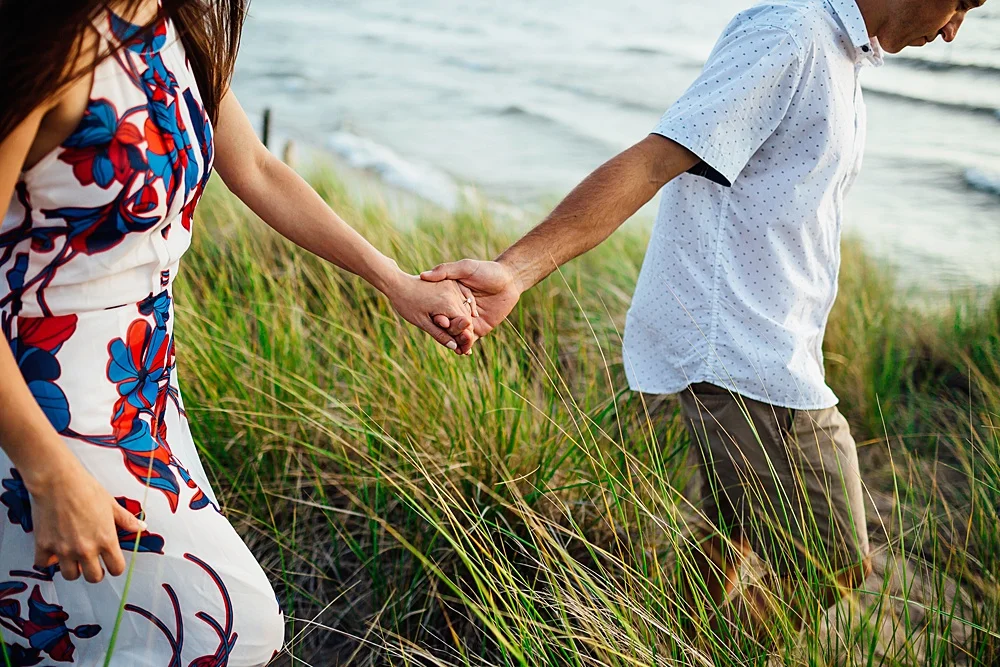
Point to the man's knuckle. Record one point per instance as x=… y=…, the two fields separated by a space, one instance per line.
x=85 y=549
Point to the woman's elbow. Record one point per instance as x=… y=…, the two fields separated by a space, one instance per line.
x=247 y=175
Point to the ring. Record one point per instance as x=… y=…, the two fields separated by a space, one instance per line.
x=468 y=300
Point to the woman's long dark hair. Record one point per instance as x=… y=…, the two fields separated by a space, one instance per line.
x=39 y=38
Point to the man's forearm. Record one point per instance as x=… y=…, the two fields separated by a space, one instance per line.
x=596 y=208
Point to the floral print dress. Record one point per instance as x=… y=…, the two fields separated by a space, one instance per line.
x=89 y=250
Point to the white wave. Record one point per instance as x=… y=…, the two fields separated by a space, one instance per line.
x=961 y=89
x=421 y=179
x=983 y=180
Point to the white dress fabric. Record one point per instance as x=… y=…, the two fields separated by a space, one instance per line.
x=88 y=253
x=741 y=271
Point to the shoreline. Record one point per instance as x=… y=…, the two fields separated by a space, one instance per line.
x=369 y=181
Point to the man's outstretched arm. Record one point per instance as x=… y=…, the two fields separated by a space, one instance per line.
x=583 y=220
x=596 y=208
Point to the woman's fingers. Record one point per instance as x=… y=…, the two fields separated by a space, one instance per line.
x=114 y=560
x=438 y=334
x=126 y=520
x=69 y=568
x=92 y=570
x=470 y=299
x=44 y=557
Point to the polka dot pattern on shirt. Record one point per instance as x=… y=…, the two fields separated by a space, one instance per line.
x=742 y=267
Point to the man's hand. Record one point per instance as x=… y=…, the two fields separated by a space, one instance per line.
x=589 y=214
x=493 y=285
x=423 y=304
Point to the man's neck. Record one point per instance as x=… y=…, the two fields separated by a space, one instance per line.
x=875 y=13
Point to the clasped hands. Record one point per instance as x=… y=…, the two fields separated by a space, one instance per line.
x=459 y=302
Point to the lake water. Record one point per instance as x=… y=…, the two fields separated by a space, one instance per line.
x=523 y=98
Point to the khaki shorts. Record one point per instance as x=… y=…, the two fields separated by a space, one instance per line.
x=785 y=480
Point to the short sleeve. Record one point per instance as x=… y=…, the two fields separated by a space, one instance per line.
x=738 y=100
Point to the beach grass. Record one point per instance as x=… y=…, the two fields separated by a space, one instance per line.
x=521 y=506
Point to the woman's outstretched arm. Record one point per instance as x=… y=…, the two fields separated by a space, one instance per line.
x=291 y=207
x=74 y=517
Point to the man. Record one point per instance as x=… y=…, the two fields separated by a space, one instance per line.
x=741 y=272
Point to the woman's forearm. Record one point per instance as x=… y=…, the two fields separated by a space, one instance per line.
x=292 y=208
x=283 y=200
x=26 y=436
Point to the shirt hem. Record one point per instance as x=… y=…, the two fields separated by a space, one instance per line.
x=669 y=389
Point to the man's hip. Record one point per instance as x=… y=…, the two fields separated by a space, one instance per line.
x=786 y=480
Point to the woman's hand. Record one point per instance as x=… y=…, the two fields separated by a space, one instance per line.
x=76 y=522
x=493 y=285
x=418 y=302
x=291 y=207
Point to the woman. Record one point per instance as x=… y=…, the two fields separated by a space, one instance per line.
x=112 y=116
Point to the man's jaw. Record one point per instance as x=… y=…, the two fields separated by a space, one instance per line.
x=922 y=41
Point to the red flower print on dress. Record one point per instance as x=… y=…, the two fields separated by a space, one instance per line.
x=140 y=365
x=137 y=365
x=148 y=542
x=35 y=350
x=104 y=148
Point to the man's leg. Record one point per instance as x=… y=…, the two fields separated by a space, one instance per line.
x=795 y=474
x=712 y=572
x=711 y=561
x=772 y=600
x=823 y=554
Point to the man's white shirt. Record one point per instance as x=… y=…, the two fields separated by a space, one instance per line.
x=742 y=267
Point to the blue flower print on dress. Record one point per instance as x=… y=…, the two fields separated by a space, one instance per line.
x=139 y=365
x=35 y=348
x=104 y=148
x=45 y=628
x=169 y=152
x=15 y=276
x=136 y=39
x=91 y=231
x=15 y=497
x=22 y=656
x=159 y=307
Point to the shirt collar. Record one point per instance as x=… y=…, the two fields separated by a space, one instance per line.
x=850 y=16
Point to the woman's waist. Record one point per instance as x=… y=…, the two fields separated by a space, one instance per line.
x=96 y=373
x=99 y=293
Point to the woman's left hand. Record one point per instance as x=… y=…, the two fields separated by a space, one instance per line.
x=419 y=302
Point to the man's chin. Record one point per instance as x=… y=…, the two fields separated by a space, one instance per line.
x=892 y=47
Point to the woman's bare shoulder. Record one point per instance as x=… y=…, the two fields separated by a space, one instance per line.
x=64 y=109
